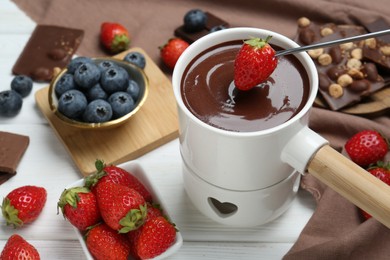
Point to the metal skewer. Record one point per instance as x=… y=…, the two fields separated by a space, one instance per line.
x=335 y=42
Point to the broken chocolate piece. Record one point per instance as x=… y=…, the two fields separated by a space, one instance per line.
x=212 y=22
x=346 y=75
x=12 y=147
x=48 y=47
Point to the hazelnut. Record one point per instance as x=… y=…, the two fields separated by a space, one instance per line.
x=371 y=71
x=326 y=31
x=303 y=22
x=335 y=90
x=346 y=46
x=335 y=72
x=307 y=36
x=335 y=53
x=315 y=53
x=357 y=53
x=324 y=59
x=355 y=73
x=370 y=43
x=360 y=86
x=323 y=81
x=385 y=50
x=344 y=80
x=354 y=63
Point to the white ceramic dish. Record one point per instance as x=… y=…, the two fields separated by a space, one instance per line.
x=136 y=169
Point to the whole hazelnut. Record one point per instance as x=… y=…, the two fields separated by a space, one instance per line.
x=385 y=50
x=303 y=22
x=315 y=53
x=344 y=80
x=357 y=53
x=335 y=90
x=324 y=59
x=370 y=43
x=326 y=31
x=354 y=63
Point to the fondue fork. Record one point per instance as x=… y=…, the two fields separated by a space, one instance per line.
x=334 y=42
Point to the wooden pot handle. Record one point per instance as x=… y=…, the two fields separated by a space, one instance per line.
x=352 y=182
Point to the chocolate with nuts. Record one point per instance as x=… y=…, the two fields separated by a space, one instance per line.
x=211 y=22
x=345 y=74
x=49 y=47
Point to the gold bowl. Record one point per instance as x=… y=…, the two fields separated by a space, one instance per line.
x=135 y=73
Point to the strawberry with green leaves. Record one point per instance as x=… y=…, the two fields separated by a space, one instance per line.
x=366 y=147
x=115 y=174
x=122 y=208
x=380 y=170
x=79 y=206
x=254 y=63
x=18 y=248
x=23 y=205
x=153 y=238
x=114 y=37
x=106 y=243
x=172 y=51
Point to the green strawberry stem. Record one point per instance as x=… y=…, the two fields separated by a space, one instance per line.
x=71 y=197
x=11 y=214
x=133 y=219
x=92 y=179
x=258 y=42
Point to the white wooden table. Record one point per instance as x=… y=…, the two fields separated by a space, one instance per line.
x=46 y=163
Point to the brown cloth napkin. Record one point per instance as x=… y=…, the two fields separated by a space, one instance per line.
x=335 y=230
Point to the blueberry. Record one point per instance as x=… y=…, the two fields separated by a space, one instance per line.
x=122 y=103
x=133 y=89
x=136 y=58
x=65 y=83
x=10 y=103
x=106 y=64
x=114 y=80
x=217 y=28
x=96 y=92
x=72 y=103
x=87 y=75
x=76 y=62
x=195 y=20
x=22 y=84
x=98 y=111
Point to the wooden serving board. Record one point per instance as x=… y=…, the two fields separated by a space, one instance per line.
x=153 y=125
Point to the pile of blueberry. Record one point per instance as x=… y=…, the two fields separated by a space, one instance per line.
x=97 y=91
x=11 y=101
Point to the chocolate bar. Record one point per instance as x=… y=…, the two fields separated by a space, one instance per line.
x=12 y=147
x=346 y=76
x=49 y=47
x=190 y=37
x=380 y=53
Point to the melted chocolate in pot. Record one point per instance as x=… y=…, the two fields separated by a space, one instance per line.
x=208 y=91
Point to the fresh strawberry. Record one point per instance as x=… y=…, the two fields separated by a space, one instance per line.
x=106 y=243
x=381 y=171
x=115 y=174
x=79 y=206
x=366 y=147
x=152 y=239
x=122 y=208
x=254 y=63
x=18 y=248
x=172 y=50
x=114 y=37
x=23 y=205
